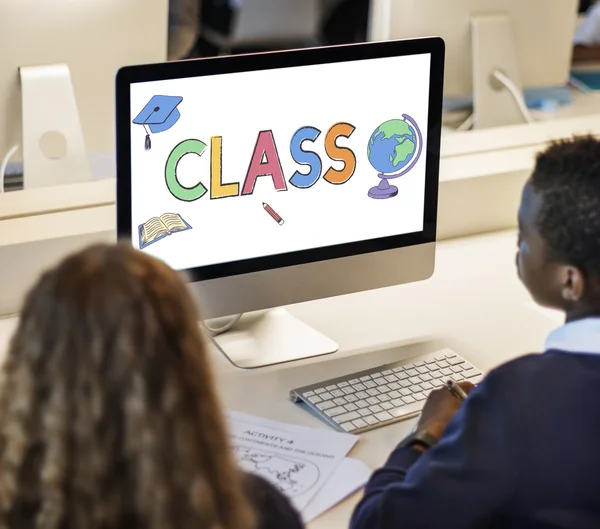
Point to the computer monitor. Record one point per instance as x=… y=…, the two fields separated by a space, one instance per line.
x=280 y=178
x=494 y=48
x=93 y=38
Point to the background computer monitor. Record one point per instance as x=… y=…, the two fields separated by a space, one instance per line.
x=283 y=177
x=529 y=41
x=94 y=38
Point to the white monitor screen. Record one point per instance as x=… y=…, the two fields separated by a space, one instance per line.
x=236 y=166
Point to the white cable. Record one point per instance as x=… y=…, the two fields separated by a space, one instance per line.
x=516 y=94
x=467 y=124
x=4 y=165
x=220 y=330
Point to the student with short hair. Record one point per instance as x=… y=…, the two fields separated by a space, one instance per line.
x=523 y=449
x=109 y=416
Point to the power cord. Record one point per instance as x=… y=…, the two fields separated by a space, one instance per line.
x=4 y=165
x=516 y=94
x=223 y=329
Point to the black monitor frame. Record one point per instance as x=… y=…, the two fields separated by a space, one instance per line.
x=267 y=61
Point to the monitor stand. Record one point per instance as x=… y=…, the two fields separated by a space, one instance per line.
x=493 y=50
x=272 y=337
x=53 y=146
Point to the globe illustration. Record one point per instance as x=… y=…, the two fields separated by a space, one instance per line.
x=394 y=149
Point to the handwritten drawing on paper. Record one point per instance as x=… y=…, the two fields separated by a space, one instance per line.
x=295 y=459
x=292 y=476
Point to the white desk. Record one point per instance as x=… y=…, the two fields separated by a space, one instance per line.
x=473 y=303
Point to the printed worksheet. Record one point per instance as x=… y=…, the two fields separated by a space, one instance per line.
x=295 y=459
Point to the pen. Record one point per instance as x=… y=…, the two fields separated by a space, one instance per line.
x=456 y=390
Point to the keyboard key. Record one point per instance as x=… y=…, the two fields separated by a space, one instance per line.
x=426 y=377
x=354 y=381
x=332 y=387
x=402 y=376
x=370 y=384
x=379 y=381
x=419 y=363
x=359 y=423
x=383 y=398
x=442 y=364
x=315 y=399
x=364 y=412
x=360 y=387
x=383 y=416
x=350 y=416
x=457 y=369
x=394 y=394
x=447 y=372
x=340 y=401
x=387 y=372
x=398 y=369
x=343 y=384
x=373 y=391
x=405 y=391
x=373 y=401
x=371 y=420
x=394 y=386
x=319 y=391
x=326 y=396
x=408 y=400
x=414 y=380
x=351 y=398
x=470 y=372
x=361 y=404
x=412 y=372
x=405 y=410
x=365 y=378
x=419 y=396
x=337 y=393
x=435 y=374
x=430 y=361
x=386 y=405
x=351 y=407
x=308 y=394
x=405 y=383
x=427 y=386
x=423 y=369
x=456 y=361
x=362 y=394
x=391 y=378
x=349 y=390
x=348 y=426
x=476 y=379
x=450 y=355
x=376 y=409
x=332 y=412
x=326 y=405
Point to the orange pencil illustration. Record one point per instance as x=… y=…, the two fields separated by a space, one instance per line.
x=273 y=214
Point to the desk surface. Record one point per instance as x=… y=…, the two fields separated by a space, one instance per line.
x=473 y=303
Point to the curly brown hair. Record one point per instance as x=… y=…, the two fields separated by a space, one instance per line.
x=109 y=416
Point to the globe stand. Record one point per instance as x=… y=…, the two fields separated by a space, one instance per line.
x=384 y=189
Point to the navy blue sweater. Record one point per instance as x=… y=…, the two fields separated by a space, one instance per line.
x=523 y=452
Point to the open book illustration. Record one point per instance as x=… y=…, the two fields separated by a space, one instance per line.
x=157 y=228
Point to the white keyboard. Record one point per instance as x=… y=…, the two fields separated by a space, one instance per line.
x=386 y=394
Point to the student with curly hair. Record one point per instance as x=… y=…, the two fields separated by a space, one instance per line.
x=522 y=451
x=109 y=417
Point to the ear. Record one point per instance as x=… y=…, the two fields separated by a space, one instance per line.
x=573 y=284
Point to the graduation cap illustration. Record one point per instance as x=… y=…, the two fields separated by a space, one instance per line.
x=159 y=114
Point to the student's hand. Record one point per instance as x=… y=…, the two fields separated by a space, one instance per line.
x=439 y=409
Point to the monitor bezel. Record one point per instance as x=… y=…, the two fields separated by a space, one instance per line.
x=273 y=60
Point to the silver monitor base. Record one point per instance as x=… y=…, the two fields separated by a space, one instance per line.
x=272 y=337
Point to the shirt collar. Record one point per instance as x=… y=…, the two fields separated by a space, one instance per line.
x=579 y=336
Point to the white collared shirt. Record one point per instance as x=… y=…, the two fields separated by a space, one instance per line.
x=580 y=336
